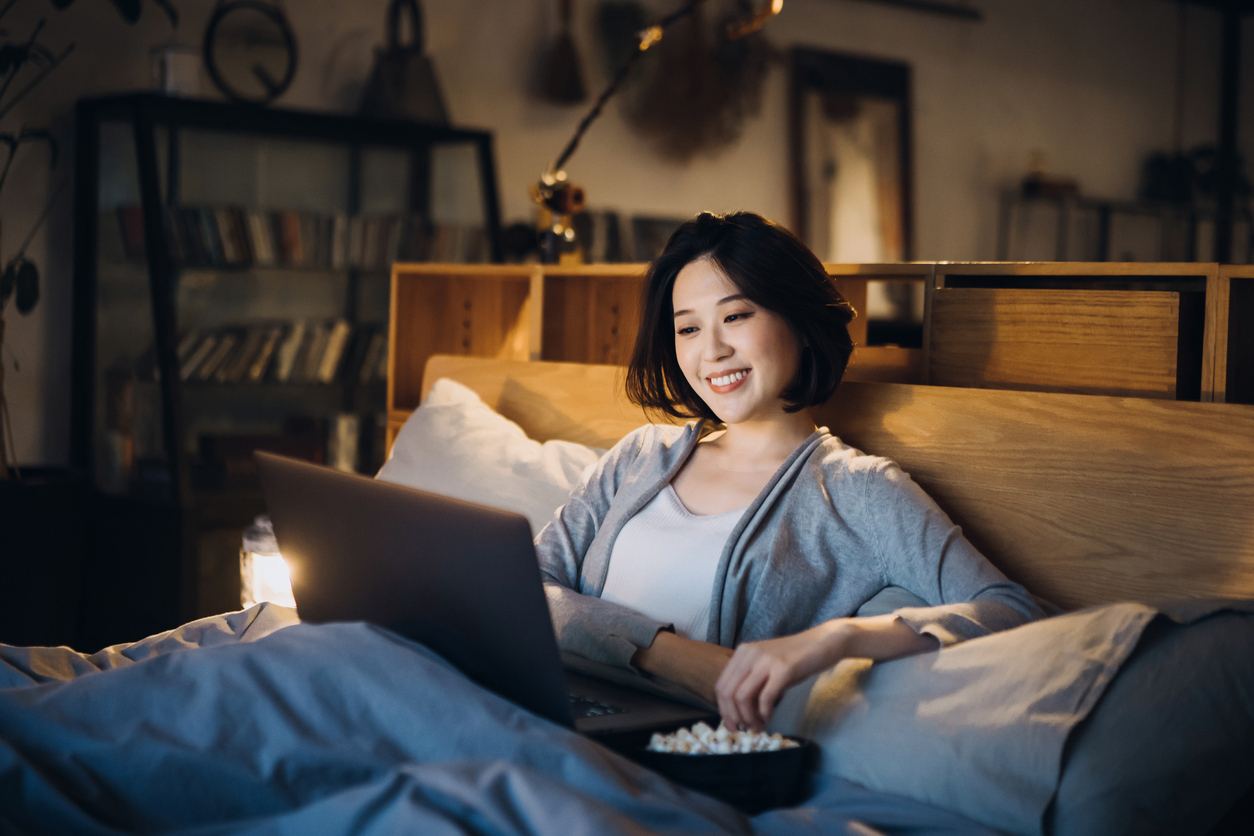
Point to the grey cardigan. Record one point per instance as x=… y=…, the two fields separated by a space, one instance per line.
x=831 y=528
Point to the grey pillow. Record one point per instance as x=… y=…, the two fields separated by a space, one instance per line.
x=1169 y=748
x=977 y=728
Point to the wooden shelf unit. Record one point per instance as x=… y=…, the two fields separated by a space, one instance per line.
x=1145 y=330
x=878 y=363
x=584 y=314
x=1150 y=330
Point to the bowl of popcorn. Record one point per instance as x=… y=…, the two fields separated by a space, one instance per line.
x=754 y=771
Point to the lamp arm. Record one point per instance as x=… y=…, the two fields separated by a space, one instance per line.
x=648 y=38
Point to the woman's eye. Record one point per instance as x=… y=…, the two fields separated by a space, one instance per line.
x=691 y=329
x=737 y=316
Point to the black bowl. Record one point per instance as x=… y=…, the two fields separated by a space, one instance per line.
x=750 y=781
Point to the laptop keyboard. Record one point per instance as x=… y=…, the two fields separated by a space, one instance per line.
x=583 y=707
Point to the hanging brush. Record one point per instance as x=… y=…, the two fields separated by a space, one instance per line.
x=563 y=81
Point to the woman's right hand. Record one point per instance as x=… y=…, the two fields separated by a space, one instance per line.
x=695 y=665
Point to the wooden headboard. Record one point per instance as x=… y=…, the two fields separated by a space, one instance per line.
x=1084 y=499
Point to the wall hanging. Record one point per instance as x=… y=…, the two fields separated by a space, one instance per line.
x=558 y=198
x=563 y=79
x=707 y=79
x=250 y=51
x=403 y=83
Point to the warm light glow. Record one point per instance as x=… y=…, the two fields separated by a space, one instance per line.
x=264 y=577
x=735 y=31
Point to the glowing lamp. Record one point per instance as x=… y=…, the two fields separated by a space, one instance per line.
x=263 y=573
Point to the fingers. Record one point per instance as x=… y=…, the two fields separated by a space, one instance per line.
x=746 y=698
x=729 y=683
x=769 y=696
x=749 y=687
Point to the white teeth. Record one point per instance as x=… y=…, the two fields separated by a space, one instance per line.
x=728 y=379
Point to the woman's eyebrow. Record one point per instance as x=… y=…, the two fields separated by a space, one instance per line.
x=735 y=297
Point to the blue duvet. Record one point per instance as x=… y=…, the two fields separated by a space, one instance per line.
x=231 y=725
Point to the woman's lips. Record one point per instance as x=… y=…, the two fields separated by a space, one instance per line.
x=734 y=380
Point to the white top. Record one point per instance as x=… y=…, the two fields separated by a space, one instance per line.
x=664 y=560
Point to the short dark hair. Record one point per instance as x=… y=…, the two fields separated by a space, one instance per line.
x=770 y=266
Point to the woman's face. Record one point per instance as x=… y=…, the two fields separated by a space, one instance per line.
x=737 y=356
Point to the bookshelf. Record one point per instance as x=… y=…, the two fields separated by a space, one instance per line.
x=232 y=293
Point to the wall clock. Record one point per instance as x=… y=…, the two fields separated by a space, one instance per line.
x=250 y=51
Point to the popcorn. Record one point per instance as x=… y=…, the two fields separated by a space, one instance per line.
x=703 y=740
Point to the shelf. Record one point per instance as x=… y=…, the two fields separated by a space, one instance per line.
x=257 y=219
x=235 y=269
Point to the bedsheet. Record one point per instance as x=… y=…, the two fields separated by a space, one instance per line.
x=254 y=723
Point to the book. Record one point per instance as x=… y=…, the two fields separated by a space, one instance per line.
x=369 y=242
x=337 y=340
x=187 y=342
x=236 y=223
x=186 y=227
x=477 y=249
x=418 y=239
x=392 y=248
x=234 y=370
x=210 y=237
x=381 y=365
x=291 y=252
x=318 y=336
x=222 y=223
x=339 y=241
x=260 y=363
x=355 y=354
x=326 y=239
x=221 y=351
x=370 y=362
x=289 y=349
x=308 y=239
x=188 y=367
x=356 y=229
x=261 y=238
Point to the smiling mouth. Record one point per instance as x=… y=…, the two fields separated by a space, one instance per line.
x=727 y=382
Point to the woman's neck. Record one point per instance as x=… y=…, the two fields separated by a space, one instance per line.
x=761 y=442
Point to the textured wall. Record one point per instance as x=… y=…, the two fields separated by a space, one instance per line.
x=1087 y=82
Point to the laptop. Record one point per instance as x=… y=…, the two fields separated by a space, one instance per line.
x=461 y=579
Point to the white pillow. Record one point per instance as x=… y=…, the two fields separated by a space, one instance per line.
x=456 y=445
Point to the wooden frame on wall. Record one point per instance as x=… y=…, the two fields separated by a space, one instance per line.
x=849 y=77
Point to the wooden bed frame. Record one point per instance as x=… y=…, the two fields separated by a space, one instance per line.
x=1084 y=499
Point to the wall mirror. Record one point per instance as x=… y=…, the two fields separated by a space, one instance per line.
x=851 y=176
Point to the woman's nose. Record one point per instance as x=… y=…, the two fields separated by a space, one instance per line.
x=715 y=347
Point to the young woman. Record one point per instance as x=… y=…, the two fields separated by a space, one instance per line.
x=730 y=559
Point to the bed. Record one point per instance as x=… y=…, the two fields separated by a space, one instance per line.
x=274 y=726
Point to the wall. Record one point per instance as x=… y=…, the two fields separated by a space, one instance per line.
x=1087 y=82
